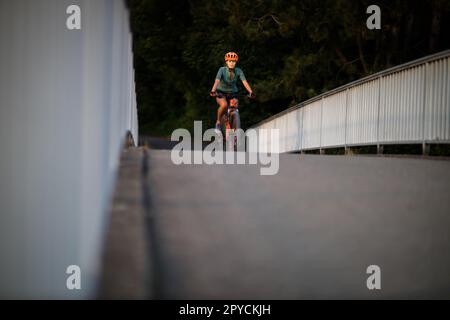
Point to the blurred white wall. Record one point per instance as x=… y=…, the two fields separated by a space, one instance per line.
x=67 y=100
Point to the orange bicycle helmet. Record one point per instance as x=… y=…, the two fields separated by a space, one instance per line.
x=231 y=56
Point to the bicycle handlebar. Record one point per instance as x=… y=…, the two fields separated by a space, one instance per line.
x=215 y=94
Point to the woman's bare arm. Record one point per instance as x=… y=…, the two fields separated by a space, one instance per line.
x=216 y=83
x=247 y=86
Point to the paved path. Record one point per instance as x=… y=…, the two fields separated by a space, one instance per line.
x=226 y=232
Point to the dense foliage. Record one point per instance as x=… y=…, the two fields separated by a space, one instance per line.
x=289 y=50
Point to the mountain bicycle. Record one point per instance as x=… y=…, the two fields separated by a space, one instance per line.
x=230 y=120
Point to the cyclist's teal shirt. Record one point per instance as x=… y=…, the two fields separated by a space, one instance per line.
x=227 y=85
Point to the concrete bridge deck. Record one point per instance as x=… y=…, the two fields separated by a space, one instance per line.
x=308 y=232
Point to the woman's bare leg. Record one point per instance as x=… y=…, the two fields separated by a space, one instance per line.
x=222 y=102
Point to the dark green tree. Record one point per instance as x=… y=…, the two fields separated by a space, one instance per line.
x=290 y=51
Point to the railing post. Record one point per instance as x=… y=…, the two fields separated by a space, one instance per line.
x=379 y=147
x=321 y=121
x=345 y=122
x=302 y=129
x=425 y=147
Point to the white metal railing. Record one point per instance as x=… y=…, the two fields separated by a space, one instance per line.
x=67 y=101
x=409 y=103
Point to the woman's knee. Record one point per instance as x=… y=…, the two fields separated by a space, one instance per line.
x=222 y=103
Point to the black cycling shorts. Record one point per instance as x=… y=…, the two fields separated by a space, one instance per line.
x=227 y=95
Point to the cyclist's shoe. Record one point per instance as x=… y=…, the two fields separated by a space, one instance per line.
x=218 y=128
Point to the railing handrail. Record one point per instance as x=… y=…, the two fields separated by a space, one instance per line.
x=392 y=70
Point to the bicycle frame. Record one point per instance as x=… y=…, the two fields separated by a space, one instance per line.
x=230 y=122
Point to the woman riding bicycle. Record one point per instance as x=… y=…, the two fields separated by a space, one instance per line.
x=225 y=84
